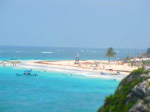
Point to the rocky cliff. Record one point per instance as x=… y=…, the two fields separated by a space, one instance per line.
x=131 y=95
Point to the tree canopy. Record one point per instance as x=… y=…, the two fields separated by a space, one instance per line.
x=110 y=53
x=148 y=51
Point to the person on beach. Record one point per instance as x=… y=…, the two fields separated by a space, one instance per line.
x=28 y=73
x=118 y=72
x=103 y=67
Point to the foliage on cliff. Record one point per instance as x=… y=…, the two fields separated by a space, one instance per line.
x=123 y=100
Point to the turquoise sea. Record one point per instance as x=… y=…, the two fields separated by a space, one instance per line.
x=53 y=91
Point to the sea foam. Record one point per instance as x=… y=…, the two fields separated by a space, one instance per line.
x=47 y=52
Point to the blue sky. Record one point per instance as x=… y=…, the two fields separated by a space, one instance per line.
x=75 y=23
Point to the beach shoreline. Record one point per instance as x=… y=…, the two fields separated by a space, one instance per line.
x=83 y=68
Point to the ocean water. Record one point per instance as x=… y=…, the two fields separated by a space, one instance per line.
x=61 y=53
x=51 y=92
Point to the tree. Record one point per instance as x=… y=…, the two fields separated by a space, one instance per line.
x=110 y=53
x=148 y=51
x=146 y=54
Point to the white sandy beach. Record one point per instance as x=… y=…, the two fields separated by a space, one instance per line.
x=83 y=68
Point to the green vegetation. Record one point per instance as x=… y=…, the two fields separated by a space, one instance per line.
x=148 y=51
x=147 y=54
x=127 y=59
x=110 y=53
x=138 y=63
x=118 y=101
x=145 y=100
x=138 y=72
x=146 y=62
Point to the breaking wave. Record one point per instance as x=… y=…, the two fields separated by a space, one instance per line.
x=94 y=51
x=47 y=52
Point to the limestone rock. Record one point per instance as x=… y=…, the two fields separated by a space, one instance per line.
x=148 y=80
x=138 y=96
x=143 y=75
x=140 y=89
x=148 y=91
x=129 y=95
x=139 y=107
x=130 y=78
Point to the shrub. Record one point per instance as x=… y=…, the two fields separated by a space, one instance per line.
x=117 y=102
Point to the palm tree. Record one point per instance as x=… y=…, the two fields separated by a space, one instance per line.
x=148 y=51
x=110 y=53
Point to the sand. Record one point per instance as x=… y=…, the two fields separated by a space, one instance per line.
x=87 y=65
x=87 y=68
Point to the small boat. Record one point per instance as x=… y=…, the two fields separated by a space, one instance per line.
x=26 y=73
x=109 y=73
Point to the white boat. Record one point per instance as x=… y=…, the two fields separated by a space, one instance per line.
x=109 y=73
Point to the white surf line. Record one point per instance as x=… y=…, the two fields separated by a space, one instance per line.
x=93 y=74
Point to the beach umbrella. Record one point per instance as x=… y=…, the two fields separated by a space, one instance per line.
x=44 y=62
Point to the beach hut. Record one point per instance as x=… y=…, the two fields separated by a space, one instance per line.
x=137 y=59
x=131 y=60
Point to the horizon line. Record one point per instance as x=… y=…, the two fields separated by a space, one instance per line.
x=68 y=47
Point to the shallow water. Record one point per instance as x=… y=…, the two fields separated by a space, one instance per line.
x=51 y=92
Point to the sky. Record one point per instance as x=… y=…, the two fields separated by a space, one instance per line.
x=75 y=23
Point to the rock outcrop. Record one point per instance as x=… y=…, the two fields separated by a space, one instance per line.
x=142 y=89
x=132 y=94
